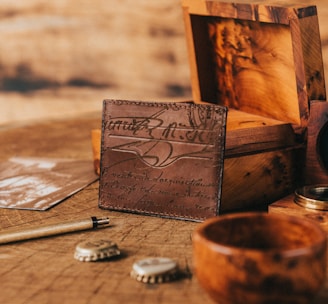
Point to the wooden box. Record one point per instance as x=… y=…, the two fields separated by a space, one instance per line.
x=264 y=63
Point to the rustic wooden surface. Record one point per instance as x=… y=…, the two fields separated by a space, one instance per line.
x=44 y=270
x=63 y=58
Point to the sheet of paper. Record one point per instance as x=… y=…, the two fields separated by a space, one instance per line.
x=41 y=183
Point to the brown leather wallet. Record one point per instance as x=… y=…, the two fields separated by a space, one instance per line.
x=162 y=159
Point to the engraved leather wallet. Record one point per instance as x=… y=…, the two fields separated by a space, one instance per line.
x=162 y=158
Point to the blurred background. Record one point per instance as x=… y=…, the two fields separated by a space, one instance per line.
x=62 y=58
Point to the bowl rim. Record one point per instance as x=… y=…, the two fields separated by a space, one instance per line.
x=199 y=235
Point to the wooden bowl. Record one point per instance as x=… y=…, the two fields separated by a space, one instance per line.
x=260 y=258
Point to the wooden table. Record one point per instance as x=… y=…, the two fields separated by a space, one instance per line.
x=44 y=270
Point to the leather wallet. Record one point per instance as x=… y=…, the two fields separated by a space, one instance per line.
x=162 y=158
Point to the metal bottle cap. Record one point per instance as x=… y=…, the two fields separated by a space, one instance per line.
x=154 y=270
x=95 y=250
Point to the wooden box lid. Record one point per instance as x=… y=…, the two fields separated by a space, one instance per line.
x=256 y=58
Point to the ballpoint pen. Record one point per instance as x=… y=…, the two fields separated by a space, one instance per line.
x=15 y=235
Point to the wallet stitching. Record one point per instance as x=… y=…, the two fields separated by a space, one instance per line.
x=163 y=104
x=153 y=212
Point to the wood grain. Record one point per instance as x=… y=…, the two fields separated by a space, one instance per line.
x=44 y=270
x=286 y=205
x=256 y=180
x=264 y=77
x=117 y=51
x=258 y=58
x=247 y=133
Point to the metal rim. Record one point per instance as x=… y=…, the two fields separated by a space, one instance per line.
x=312 y=197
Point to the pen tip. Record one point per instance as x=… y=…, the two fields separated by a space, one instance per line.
x=102 y=221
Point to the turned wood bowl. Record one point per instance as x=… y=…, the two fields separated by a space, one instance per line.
x=260 y=258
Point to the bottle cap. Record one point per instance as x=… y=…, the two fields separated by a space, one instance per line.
x=154 y=270
x=90 y=251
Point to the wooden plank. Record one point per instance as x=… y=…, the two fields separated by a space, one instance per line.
x=313 y=58
x=261 y=12
x=256 y=180
x=247 y=133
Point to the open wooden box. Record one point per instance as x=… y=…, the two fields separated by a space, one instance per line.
x=265 y=64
